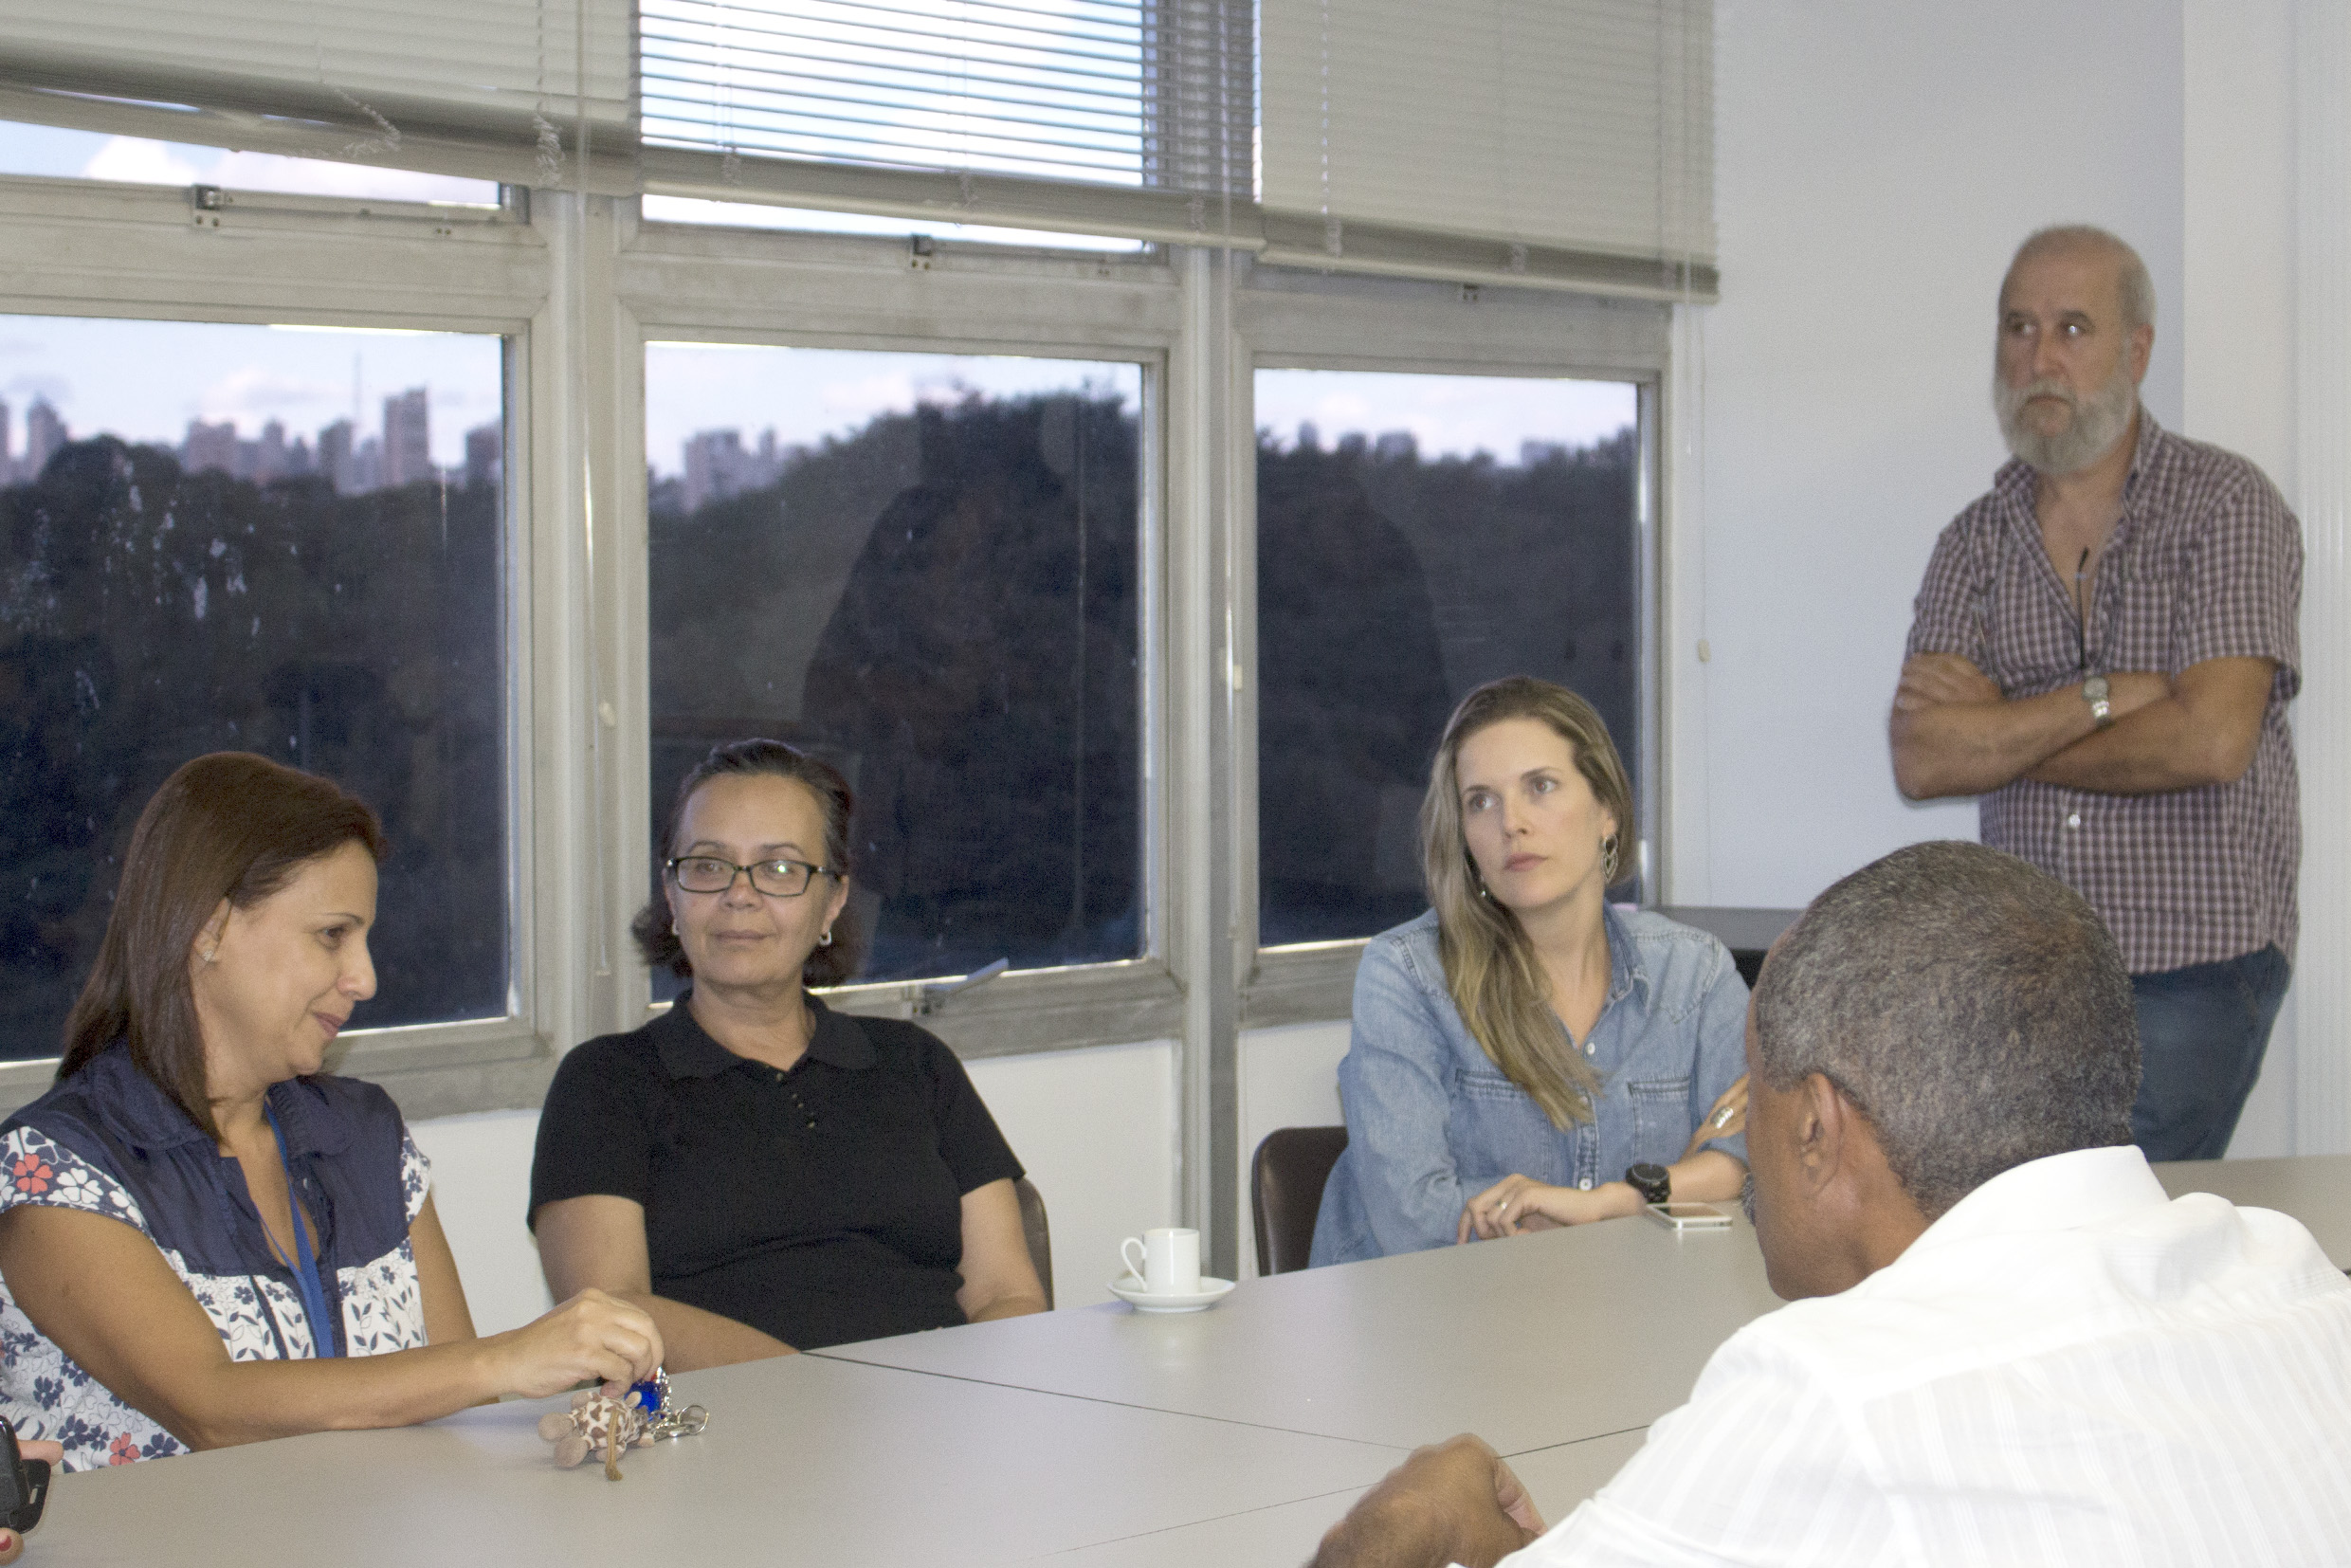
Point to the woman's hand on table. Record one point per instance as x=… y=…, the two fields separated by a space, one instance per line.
x=593 y=1335
x=1518 y=1203
x=1726 y=1118
x=12 y=1544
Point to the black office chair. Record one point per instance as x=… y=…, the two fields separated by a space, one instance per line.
x=1040 y=1234
x=1287 y=1177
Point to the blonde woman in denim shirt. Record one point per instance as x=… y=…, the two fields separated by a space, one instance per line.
x=1522 y=1045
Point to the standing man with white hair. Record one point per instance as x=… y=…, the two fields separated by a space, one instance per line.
x=2103 y=648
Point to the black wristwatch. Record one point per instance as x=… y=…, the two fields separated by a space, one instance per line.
x=1653 y=1182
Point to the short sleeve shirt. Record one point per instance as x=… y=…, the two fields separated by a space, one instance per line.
x=821 y=1204
x=109 y=1142
x=2205 y=563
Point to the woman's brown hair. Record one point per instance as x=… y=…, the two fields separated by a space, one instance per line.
x=1490 y=967
x=831 y=964
x=229 y=826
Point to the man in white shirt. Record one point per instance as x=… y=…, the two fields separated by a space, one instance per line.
x=2005 y=1343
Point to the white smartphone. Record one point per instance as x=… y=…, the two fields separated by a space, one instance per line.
x=1689 y=1216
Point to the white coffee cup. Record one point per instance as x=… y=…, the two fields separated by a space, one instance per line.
x=1166 y=1260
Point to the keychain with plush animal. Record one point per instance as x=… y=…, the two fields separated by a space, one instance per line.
x=599 y=1422
x=596 y=1422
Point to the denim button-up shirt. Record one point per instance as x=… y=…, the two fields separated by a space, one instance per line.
x=1431 y=1122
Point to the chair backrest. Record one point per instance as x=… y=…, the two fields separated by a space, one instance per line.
x=1040 y=1234
x=1287 y=1177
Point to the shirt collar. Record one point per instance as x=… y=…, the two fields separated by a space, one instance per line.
x=2066 y=1191
x=309 y=1120
x=149 y=1117
x=688 y=1050
x=1627 y=967
x=152 y=1119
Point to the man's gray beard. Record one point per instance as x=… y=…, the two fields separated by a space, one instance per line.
x=2098 y=421
x=1746 y=1196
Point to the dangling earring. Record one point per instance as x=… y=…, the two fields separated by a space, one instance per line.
x=1608 y=861
x=826 y=940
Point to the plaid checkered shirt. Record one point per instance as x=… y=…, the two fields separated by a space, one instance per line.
x=2205 y=563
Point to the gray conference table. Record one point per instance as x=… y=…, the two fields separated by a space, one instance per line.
x=1545 y=1338
x=807 y=1460
x=1099 y=1438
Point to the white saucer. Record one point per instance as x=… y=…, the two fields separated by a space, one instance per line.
x=1142 y=1299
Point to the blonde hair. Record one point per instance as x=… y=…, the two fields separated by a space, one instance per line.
x=1490 y=966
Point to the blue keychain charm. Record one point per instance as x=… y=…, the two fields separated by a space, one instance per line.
x=663 y=1418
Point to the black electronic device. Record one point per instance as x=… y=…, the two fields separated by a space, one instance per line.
x=1652 y=1181
x=24 y=1485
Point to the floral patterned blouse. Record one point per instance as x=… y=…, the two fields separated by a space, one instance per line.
x=108 y=1140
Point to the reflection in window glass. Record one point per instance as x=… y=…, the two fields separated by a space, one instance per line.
x=1416 y=536
x=925 y=569
x=136 y=160
x=253 y=539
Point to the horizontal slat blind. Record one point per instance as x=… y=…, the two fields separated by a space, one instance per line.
x=359 y=78
x=1578 y=125
x=981 y=84
x=1134 y=94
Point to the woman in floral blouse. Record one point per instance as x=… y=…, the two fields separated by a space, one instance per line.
x=204 y=1238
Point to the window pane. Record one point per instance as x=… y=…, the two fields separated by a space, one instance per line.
x=1416 y=536
x=253 y=539
x=745 y=214
x=925 y=568
x=134 y=161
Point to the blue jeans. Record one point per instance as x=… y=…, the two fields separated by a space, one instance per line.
x=2202 y=1030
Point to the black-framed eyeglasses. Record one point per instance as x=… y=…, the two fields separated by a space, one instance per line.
x=777 y=879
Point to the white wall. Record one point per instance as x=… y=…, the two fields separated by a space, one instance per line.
x=1096 y=1130
x=1876 y=166
x=481 y=1188
x=2237 y=322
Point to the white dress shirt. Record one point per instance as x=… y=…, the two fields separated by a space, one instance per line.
x=2068 y=1367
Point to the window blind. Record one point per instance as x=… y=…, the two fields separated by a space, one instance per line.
x=1115 y=116
x=1550 y=141
x=489 y=88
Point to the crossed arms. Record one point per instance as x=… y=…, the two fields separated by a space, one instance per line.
x=1954 y=734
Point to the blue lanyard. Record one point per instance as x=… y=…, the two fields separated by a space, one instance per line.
x=325 y=1339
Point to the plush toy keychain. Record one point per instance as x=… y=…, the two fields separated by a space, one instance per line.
x=600 y=1423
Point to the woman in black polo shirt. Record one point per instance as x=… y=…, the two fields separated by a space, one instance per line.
x=760 y=1174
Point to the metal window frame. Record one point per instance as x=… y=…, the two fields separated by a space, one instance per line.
x=71 y=247
x=1295 y=320
x=682 y=282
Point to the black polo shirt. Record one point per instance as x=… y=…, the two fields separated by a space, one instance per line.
x=821 y=1204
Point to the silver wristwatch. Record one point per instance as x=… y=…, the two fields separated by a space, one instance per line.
x=2094 y=693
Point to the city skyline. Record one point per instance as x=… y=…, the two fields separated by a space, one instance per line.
x=400 y=453
x=146 y=381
